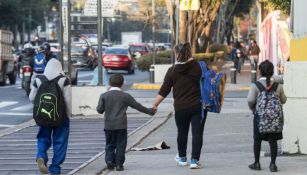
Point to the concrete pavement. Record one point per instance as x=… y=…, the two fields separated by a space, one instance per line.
x=227 y=149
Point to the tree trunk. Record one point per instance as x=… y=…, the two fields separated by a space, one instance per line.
x=183 y=27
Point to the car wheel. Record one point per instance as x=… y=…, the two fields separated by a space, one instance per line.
x=12 y=77
x=4 y=79
x=131 y=70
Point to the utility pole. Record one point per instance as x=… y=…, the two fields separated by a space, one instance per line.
x=69 y=37
x=61 y=34
x=30 y=21
x=100 y=25
x=153 y=32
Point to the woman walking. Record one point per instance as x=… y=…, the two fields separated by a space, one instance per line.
x=184 y=79
x=266 y=70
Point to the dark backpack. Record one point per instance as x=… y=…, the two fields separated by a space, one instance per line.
x=49 y=105
x=39 y=63
x=269 y=110
x=209 y=88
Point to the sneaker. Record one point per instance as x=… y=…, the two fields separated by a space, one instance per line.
x=255 y=166
x=119 y=168
x=110 y=165
x=195 y=164
x=273 y=167
x=42 y=166
x=182 y=161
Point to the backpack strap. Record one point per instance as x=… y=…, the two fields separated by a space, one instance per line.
x=260 y=86
x=203 y=67
x=274 y=87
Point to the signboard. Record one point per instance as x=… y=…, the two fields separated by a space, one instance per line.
x=107 y=8
x=189 y=4
x=65 y=20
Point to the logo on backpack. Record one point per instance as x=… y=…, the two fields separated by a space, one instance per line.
x=49 y=106
x=209 y=88
x=39 y=63
x=269 y=110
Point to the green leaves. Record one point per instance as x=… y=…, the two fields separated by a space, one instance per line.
x=283 y=5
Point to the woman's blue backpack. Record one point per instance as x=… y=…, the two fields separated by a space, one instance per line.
x=209 y=88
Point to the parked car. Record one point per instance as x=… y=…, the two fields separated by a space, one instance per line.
x=118 y=58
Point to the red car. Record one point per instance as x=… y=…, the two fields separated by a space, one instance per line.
x=143 y=49
x=118 y=59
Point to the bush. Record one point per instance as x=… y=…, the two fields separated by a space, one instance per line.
x=145 y=61
x=215 y=60
x=216 y=47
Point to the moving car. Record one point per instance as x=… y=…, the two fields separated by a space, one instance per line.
x=84 y=56
x=143 y=49
x=118 y=58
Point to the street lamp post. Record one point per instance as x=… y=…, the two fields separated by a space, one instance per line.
x=153 y=33
x=100 y=25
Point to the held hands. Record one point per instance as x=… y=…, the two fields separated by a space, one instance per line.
x=153 y=110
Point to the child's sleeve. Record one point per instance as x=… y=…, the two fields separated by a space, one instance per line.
x=134 y=104
x=101 y=103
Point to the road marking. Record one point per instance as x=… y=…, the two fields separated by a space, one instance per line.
x=6 y=126
x=10 y=86
x=23 y=108
x=15 y=114
x=86 y=75
x=7 y=103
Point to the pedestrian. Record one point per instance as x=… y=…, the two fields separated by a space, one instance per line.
x=266 y=85
x=114 y=104
x=184 y=79
x=237 y=56
x=56 y=136
x=253 y=53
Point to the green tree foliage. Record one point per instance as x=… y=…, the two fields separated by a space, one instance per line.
x=13 y=13
x=283 y=5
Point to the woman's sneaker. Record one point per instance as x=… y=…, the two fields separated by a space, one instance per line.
x=195 y=164
x=182 y=161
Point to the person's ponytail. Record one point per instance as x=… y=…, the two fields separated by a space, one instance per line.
x=268 y=81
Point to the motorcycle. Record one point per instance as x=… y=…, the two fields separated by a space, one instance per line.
x=26 y=73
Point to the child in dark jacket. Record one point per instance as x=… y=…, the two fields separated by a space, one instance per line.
x=114 y=104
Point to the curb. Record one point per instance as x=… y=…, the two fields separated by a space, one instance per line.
x=146 y=86
x=17 y=128
x=96 y=164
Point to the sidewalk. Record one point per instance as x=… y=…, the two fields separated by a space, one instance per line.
x=227 y=149
x=243 y=80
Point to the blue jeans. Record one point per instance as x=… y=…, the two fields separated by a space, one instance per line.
x=58 y=136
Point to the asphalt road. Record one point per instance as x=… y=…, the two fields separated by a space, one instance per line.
x=15 y=107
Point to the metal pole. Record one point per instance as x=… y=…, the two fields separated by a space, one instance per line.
x=100 y=25
x=69 y=38
x=153 y=33
x=233 y=74
x=30 y=21
x=61 y=34
x=253 y=76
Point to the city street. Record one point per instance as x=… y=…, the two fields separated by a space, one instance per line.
x=15 y=107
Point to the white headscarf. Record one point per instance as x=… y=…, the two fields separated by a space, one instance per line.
x=53 y=69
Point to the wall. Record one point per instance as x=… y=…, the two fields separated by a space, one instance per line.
x=85 y=99
x=298 y=49
x=160 y=71
x=295 y=78
x=295 y=83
